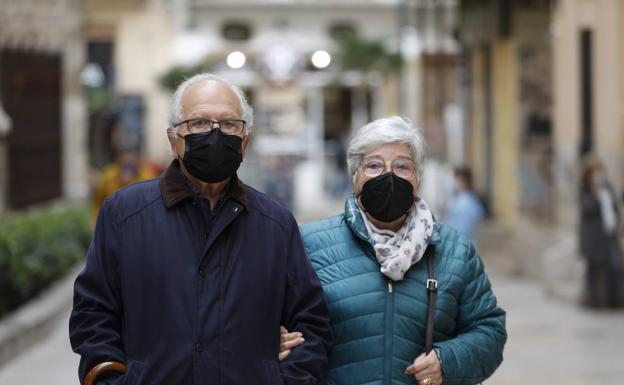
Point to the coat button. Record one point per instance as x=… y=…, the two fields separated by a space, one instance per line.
x=199 y=347
x=202 y=272
x=235 y=209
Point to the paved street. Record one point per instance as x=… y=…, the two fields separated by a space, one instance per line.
x=549 y=343
x=52 y=362
x=556 y=343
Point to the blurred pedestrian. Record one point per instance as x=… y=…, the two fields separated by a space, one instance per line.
x=599 y=237
x=409 y=298
x=464 y=211
x=189 y=276
x=127 y=169
x=278 y=179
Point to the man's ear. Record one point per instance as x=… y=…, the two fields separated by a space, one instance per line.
x=171 y=135
x=245 y=143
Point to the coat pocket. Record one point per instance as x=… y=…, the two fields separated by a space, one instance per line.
x=273 y=373
x=134 y=374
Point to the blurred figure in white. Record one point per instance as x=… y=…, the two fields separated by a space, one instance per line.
x=437 y=184
x=598 y=235
x=453 y=122
x=465 y=210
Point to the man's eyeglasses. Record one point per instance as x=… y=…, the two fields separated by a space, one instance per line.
x=201 y=126
x=404 y=168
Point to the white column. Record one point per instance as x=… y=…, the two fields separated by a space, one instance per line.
x=74 y=116
x=309 y=194
x=359 y=115
x=430 y=32
x=315 y=123
x=454 y=123
x=412 y=75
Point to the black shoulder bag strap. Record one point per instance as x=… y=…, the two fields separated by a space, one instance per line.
x=432 y=290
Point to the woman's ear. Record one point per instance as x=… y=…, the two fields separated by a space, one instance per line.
x=356 y=187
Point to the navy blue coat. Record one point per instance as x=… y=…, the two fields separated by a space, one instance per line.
x=187 y=300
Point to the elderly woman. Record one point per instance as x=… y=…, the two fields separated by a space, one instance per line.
x=383 y=262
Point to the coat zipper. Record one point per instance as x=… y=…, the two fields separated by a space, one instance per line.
x=389 y=334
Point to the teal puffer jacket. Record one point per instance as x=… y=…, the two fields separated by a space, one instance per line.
x=378 y=325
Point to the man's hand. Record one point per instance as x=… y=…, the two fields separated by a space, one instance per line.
x=288 y=341
x=426 y=367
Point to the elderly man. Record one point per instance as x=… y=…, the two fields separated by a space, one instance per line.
x=189 y=277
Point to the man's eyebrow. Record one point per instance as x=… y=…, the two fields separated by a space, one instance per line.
x=227 y=117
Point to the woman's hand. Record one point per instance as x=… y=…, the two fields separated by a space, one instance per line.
x=288 y=341
x=426 y=369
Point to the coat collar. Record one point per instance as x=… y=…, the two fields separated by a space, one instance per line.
x=354 y=219
x=175 y=189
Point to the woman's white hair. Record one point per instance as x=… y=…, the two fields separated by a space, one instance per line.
x=382 y=131
x=175 y=108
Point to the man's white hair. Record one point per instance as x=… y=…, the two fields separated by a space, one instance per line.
x=175 y=108
x=382 y=131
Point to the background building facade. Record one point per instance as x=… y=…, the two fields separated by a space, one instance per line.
x=43 y=141
x=290 y=59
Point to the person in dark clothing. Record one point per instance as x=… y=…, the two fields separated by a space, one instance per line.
x=598 y=234
x=190 y=276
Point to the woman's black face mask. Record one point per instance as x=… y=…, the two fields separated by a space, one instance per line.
x=387 y=197
x=212 y=156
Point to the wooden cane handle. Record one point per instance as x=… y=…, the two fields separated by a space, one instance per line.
x=104 y=367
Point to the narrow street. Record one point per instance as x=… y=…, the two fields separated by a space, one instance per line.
x=505 y=116
x=550 y=342
x=52 y=362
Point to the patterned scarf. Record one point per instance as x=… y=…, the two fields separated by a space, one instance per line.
x=397 y=252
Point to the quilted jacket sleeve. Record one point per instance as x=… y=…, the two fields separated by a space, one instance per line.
x=477 y=350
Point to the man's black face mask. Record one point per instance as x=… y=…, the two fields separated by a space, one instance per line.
x=387 y=197
x=212 y=156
